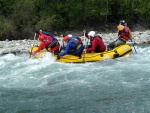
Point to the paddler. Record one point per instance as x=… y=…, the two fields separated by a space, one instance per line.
x=124 y=34
x=96 y=41
x=74 y=46
x=47 y=41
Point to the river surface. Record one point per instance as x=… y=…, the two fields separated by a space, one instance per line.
x=44 y=86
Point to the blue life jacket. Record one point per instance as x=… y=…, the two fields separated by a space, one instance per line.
x=73 y=45
x=75 y=40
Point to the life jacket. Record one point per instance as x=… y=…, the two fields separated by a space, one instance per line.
x=46 y=33
x=100 y=45
x=45 y=38
x=97 y=38
x=125 y=34
x=76 y=41
x=53 y=42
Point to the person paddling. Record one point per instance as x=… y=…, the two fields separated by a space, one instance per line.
x=124 y=35
x=74 y=46
x=47 y=41
x=97 y=44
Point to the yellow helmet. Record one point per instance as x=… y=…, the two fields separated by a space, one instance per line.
x=120 y=27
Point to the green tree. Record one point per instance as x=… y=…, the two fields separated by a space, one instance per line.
x=20 y=18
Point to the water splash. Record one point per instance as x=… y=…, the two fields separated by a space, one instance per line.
x=121 y=84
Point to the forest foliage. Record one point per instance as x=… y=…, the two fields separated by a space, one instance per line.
x=20 y=18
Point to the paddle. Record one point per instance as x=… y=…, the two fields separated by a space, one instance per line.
x=60 y=48
x=58 y=57
x=133 y=46
x=85 y=46
x=33 y=46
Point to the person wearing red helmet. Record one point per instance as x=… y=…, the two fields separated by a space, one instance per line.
x=74 y=46
x=47 y=40
x=97 y=44
x=124 y=34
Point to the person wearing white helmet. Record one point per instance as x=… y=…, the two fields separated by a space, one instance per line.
x=91 y=34
x=96 y=43
x=124 y=34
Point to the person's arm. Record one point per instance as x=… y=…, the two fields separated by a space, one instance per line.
x=39 y=48
x=86 y=35
x=66 y=50
x=119 y=33
x=130 y=34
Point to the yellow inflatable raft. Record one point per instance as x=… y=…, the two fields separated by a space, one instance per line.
x=120 y=51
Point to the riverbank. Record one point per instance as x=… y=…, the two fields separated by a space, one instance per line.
x=22 y=46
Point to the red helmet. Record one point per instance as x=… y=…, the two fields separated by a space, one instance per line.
x=66 y=38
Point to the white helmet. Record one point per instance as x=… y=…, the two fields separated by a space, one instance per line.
x=91 y=33
x=69 y=35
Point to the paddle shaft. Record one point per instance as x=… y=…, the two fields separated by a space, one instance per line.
x=85 y=47
x=59 y=52
x=133 y=46
x=33 y=45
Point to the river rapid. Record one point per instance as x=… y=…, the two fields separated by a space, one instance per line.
x=44 y=86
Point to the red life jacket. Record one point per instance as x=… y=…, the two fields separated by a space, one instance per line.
x=46 y=39
x=100 y=43
x=124 y=34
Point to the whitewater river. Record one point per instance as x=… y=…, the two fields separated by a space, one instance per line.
x=44 y=86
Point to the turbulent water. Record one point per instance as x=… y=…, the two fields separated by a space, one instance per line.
x=45 y=86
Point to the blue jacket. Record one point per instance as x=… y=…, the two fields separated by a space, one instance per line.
x=72 y=46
